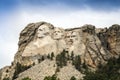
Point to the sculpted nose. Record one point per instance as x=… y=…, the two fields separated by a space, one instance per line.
x=56 y=33
x=70 y=39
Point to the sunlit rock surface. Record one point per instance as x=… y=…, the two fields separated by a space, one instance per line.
x=39 y=40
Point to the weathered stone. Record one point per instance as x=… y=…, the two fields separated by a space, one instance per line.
x=39 y=71
x=39 y=40
x=68 y=71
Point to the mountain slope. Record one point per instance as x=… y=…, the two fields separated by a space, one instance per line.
x=45 y=50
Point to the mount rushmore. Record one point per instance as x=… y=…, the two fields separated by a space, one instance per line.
x=37 y=40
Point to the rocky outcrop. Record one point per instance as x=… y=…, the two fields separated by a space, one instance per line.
x=68 y=72
x=39 y=71
x=40 y=41
x=113 y=39
x=48 y=68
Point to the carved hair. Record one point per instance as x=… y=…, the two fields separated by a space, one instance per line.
x=50 y=26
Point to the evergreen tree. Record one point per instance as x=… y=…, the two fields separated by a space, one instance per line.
x=43 y=58
x=53 y=77
x=19 y=68
x=47 y=78
x=61 y=59
x=72 y=56
x=52 y=55
x=39 y=60
x=26 y=78
x=57 y=70
x=109 y=71
x=6 y=79
x=48 y=56
x=77 y=63
x=73 y=78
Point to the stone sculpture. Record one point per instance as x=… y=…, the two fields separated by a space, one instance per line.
x=43 y=42
x=58 y=33
x=58 y=36
x=90 y=45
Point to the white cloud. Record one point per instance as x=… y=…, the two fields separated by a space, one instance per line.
x=10 y=29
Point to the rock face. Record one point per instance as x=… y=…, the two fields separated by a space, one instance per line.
x=40 y=41
x=39 y=71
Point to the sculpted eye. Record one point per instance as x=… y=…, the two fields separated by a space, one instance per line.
x=40 y=29
x=73 y=36
x=67 y=36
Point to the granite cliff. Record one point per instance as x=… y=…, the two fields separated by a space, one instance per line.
x=45 y=50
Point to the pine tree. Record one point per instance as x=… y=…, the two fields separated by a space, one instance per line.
x=6 y=79
x=52 y=55
x=26 y=78
x=72 y=56
x=61 y=59
x=48 y=56
x=73 y=78
x=77 y=63
x=43 y=58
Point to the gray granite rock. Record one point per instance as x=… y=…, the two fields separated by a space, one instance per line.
x=38 y=40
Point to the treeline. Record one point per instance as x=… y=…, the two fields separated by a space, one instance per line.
x=64 y=58
x=54 y=77
x=109 y=71
x=18 y=69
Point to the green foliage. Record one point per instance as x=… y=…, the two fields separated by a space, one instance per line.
x=19 y=68
x=95 y=76
x=53 y=77
x=57 y=70
x=7 y=71
x=6 y=79
x=43 y=58
x=48 y=56
x=47 y=78
x=26 y=78
x=72 y=56
x=52 y=55
x=77 y=62
x=84 y=66
x=61 y=59
x=73 y=78
x=110 y=71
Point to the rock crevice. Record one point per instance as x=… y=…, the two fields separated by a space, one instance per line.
x=38 y=40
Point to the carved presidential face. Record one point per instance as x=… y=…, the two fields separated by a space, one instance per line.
x=71 y=37
x=58 y=33
x=43 y=30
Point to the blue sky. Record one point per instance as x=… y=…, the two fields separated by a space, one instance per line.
x=16 y=14
x=10 y=5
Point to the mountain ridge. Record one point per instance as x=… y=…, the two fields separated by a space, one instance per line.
x=41 y=41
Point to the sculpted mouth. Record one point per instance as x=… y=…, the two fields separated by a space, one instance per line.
x=70 y=42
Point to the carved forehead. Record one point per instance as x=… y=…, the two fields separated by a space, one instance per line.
x=59 y=29
x=43 y=26
x=47 y=26
x=72 y=33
